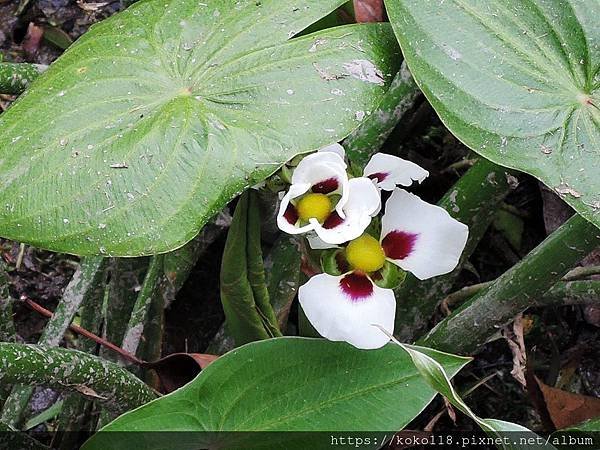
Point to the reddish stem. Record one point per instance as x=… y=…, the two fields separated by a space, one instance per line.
x=83 y=332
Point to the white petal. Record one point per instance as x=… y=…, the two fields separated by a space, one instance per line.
x=363 y=203
x=338 y=317
x=437 y=240
x=396 y=171
x=316 y=243
x=335 y=148
x=319 y=166
x=295 y=190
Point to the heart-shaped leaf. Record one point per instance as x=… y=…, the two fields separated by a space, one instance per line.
x=282 y=384
x=158 y=116
x=517 y=81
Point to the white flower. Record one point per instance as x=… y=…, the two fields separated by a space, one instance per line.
x=322 y=199
x=333 y=209
x=416 y=236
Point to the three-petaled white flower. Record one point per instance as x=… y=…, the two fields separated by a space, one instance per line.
x=416 y=236
x=321 y=198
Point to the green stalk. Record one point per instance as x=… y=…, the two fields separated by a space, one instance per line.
x=90 y=271
x=376 y=128
x=74 y=371
x=585 y=292
x=126 y=275
x=563 y=293
x=78 y=291
x=15 y=77
x=139 y=314
x=7 y=326
x=76 y=414
x=256 y=267
x=479 y=319
x=473 y=200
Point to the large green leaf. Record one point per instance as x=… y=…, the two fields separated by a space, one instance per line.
x=159 y=115
x=283 y=384
x=517 y=81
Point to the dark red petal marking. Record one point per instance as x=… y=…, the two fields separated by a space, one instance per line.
x=326 y=186
x=356 y=286
x=333 y=221
x=399 y=244
x=379 y=176
x=291 y=214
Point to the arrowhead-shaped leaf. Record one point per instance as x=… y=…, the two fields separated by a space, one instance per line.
x=282 y=385
x=159 y=115
x=517 y=81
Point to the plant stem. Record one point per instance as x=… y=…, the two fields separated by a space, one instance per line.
x=78 y=413
x=580 y=273
x=562 y=293
x=85 y=279
x=75 y=371
x=87 y=275
x=139 y=314
x=126 y=275
x=571 y=293
x=375 y=129
x=473 y=200
x=475 y=322
x=244 y=296
x=15 y=77
x=7 y=326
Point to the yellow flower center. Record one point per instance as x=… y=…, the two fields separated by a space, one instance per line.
x=317 y=206
x=365 y=253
